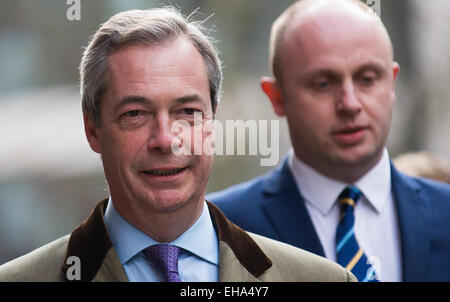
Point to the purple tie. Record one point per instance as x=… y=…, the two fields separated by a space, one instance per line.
x=165 y=257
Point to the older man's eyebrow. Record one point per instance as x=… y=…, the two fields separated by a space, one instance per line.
x=194 y=98
x=135 y=99
x=131 y=99
x=191 y=99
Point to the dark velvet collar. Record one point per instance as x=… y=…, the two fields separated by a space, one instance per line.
x=90 y=242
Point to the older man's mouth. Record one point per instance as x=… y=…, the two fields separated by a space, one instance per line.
x=164 y=171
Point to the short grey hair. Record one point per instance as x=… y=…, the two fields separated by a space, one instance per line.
x=149 y=27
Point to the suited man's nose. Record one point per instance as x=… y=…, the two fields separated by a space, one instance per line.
x=348 y=100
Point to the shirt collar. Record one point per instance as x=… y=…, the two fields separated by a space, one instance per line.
x=375 y=185
x=200 y=239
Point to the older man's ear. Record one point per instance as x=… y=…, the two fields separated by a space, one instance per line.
x=92 y=135
x=272 y=90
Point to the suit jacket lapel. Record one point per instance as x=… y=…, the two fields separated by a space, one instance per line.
x=414 y=217
x=285 y=206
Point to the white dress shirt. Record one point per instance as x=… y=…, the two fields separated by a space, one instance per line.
x=200 y=263
x=376 y=223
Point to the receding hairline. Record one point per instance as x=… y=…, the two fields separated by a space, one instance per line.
x=311 y=9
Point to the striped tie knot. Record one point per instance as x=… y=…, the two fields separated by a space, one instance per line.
x=349 y=196
x=165 y=257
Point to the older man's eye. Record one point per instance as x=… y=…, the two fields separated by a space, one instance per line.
x=133 y=113
x=191 y=111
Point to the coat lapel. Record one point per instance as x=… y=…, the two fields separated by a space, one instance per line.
x=111 y=269
x=90 y=242
x=240 y=258
x=230 y=269
x=414 y=217
x=286 y=208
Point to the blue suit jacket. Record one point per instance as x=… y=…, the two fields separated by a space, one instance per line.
x=272 y=206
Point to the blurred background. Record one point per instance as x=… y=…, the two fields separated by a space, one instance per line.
x=49 y=177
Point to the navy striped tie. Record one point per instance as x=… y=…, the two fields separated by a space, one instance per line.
x=349 y=254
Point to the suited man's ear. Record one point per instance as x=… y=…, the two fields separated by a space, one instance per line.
x=272 y=90
x=92 y=134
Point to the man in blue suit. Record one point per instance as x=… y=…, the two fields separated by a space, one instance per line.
x=337 y=193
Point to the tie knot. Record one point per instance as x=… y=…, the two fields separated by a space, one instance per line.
x=349 y=196
x=165 y=257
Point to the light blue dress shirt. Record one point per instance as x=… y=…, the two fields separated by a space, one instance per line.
x=199 y=264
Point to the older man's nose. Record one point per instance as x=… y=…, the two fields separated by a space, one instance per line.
x=161 y=136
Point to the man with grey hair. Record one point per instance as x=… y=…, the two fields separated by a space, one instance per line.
x=144 y=71
x=337 y=194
